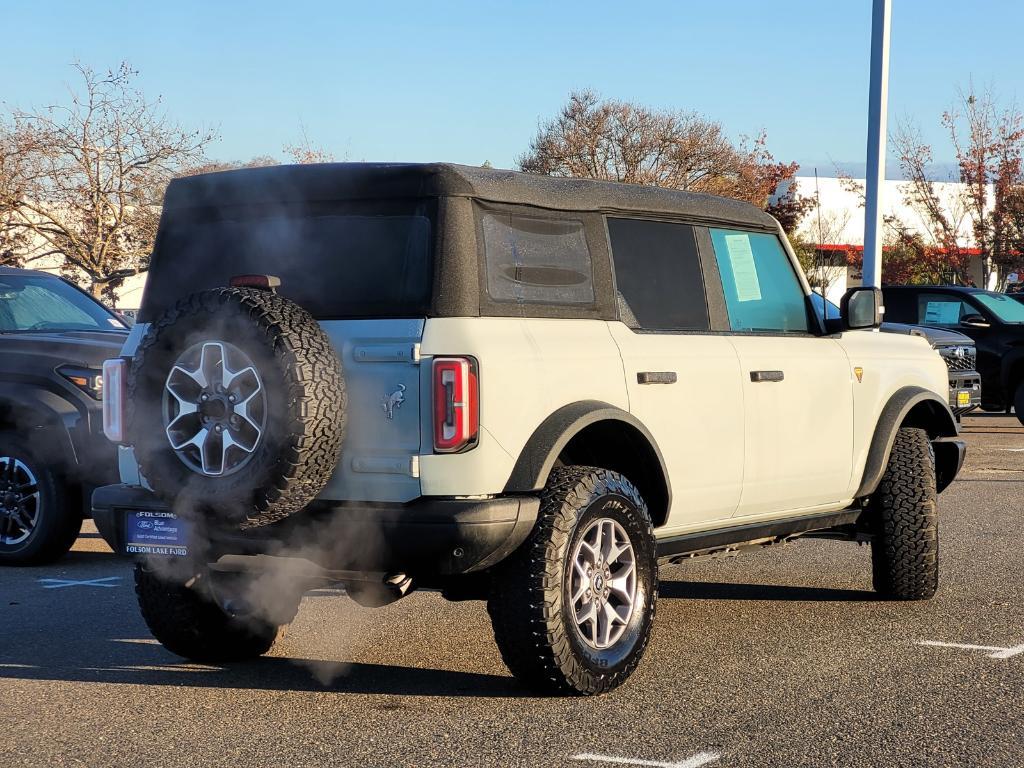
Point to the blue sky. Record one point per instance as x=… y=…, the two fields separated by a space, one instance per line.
x=469 y=81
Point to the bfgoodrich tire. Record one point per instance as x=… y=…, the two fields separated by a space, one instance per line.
x=905 y=549
x=184 y=616
x=236 y=406
x=39 y=520
x=591 y=555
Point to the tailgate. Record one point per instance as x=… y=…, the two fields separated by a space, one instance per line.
x=379 y=458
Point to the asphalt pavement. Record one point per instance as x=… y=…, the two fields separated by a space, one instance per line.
x=779 y=658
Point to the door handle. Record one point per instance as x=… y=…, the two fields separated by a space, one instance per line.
x=759 y=376
x=656 y=377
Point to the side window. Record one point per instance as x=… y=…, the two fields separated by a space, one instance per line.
x=657 y=270
x=941 y=309
x=535 y=260
x=762 y=292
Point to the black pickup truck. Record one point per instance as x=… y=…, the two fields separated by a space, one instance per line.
x=53 y=340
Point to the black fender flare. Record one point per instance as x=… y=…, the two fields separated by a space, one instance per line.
x=938 y=421
x=538 y=456
x=29 y=408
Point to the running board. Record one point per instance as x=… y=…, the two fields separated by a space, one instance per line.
x=734 y=537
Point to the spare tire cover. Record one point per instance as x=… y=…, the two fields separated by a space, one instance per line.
x=236 y=407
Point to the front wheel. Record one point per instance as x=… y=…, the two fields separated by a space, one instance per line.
x=38 y=523
x=572 y=608
x=905 y=549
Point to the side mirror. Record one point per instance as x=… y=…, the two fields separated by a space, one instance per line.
x=975 y=321
x=861 y=307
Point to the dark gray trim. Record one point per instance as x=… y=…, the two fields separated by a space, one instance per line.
x=456 y=287
x=938 y=420
x=718 y=312
x=742 y=534
x=538 y=456
x=949 y=459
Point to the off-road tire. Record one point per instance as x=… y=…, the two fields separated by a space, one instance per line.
x=905 y=549
x=305 y=400
x=528 y=602
x=184 y=617
x=1018 y=402
x=60 y=519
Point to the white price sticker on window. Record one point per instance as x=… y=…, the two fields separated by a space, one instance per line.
x=744 y=271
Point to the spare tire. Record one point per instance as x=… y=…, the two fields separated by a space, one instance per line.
x=236 y=407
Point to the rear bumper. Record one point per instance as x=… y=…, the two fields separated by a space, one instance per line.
x=427 y=537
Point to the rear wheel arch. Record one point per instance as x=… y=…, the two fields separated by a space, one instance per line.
x=594 y=433
x=914 y=407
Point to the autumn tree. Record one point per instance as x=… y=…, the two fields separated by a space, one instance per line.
x=85 y=179
x=988 y=142
x=621 y=141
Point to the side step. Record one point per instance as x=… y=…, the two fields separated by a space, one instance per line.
x=691 y=545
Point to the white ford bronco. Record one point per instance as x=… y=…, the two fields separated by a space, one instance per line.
x=515 y=388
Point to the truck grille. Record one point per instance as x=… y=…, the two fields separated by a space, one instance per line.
x=959 y=358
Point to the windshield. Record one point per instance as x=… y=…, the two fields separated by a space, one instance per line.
x=354 y=260
x=43 y=303
x=1002 y=306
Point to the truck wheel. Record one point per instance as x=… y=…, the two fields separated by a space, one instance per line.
x=1018 y=402
x=38 y=523
x=572 y=608
x=236 y=407
x=905 y=550
x=184 y=616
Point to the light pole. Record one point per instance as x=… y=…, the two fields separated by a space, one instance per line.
x=878 y=98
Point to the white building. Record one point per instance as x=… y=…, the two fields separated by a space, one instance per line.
x=836 y=221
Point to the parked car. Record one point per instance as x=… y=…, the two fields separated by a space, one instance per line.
x=994 y=320
x=956 y=350
x=510 y=387
x=53 y=340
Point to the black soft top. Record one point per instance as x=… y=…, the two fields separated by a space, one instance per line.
x=330 y=182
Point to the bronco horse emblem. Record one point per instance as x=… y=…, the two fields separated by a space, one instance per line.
x=393 y=401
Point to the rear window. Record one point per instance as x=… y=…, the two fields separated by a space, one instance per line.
x=537 y=260
x=356 y=262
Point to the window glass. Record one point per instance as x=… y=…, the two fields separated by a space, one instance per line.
x=762 y=292
x=535 y=260
x=941 y=309
x=37 y=303
x=371 y=260
x=657 y=270
x=1006 y=308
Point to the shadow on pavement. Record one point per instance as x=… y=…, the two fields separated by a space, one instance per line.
x=701 y=590
x=154 y=666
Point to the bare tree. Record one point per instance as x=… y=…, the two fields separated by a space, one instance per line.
x=306 y=152
x=88 y=176
x=621 y=141
x=988 y=142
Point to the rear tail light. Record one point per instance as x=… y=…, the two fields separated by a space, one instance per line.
x=456 y=404
x=113 y=399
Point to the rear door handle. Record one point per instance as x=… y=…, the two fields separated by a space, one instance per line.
x=656 y=377
x=758 y=376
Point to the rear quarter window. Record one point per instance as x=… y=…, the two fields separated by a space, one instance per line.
x=530 y=259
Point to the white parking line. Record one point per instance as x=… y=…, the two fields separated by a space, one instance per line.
x=995 y=651
x=701 y=758
x=62 y=583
